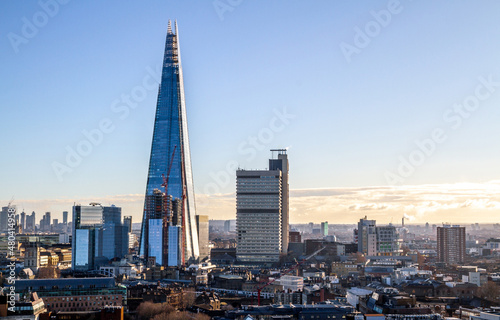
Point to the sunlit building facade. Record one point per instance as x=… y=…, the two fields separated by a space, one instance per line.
x=262 y=212
x=94 y=242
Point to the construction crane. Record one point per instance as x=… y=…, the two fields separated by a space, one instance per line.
x=287 y=272
x=10 y=202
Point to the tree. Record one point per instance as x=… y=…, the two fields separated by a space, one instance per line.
x=490 y=291
x=420 y=260
x=49 y=273
x=148 y=310
x=406 y=250
x=188 y=298
x=360 y=258
x=181 y=316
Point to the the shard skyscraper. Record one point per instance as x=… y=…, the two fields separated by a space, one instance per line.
x=172 y=210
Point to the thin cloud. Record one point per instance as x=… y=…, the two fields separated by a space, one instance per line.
x=434 y=203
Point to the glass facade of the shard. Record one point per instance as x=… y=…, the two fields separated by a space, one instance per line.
x=170 y=155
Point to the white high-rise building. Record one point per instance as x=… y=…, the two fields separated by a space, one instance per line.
x=202 y=224
x=262 y=212
x=367 y=237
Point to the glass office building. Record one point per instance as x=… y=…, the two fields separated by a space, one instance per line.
x=170 y=144
x=83 y=244
x=95 y=242
x=174 y=252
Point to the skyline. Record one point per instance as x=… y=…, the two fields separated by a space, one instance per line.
x=278 y=73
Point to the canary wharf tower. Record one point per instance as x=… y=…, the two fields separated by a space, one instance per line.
x=168 y=233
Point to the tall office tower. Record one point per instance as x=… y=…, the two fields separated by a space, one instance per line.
x=387 y=241
x=262 y=212
x=86 y=222
x=30 y=222
x=170 y=145
x=227 y=225
x=127 y=221
x=23 y=220
x=46 y=222
x=367 y=237
x=281 y=164
x=451 y=244
x=202 y=226
x=4 y=217
x=65 y=217
x=95 y=242
x=324 y=228
x=33 y=221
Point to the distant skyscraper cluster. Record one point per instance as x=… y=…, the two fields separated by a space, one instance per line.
x=26 y=223
x=262 y=212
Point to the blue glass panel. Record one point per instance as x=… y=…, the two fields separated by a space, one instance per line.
x=173 y=245
x=155 y=240
x=82 y=246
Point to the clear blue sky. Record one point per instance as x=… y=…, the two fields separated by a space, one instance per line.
x=353 y=120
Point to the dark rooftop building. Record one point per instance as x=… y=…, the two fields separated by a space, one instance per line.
x=320 y=311
x=29 y=307
x=75 y=294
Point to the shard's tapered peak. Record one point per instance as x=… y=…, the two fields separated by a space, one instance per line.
x=169 y=28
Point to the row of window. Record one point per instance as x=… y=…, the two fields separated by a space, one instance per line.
x=80 y=304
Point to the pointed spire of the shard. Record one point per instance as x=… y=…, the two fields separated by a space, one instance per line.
x=169 y=29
